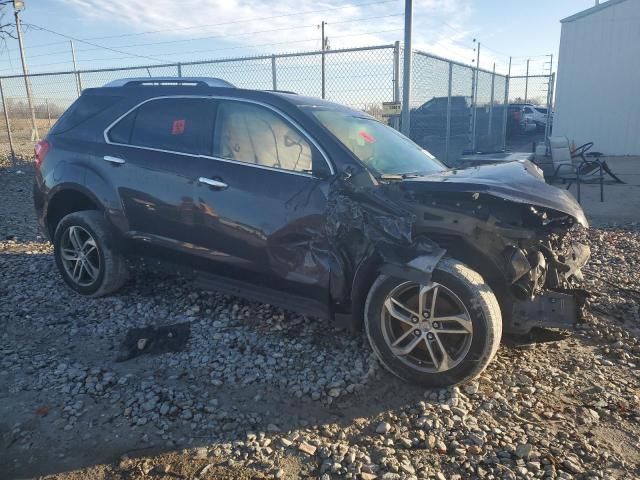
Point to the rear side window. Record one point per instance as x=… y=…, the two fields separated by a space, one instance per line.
x=174 y=124
x=82 y=109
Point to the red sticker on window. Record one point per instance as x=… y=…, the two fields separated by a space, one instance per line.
x=178 y=127
x=367 y=138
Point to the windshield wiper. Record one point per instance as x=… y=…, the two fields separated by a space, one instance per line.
x=398 y=176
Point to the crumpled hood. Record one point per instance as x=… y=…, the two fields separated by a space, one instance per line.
x=519 y=181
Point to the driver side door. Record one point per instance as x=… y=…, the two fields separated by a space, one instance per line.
x=261 y=199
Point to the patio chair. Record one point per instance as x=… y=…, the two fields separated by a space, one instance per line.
x=573 y=166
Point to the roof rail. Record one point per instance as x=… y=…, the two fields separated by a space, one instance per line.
x=160 y=81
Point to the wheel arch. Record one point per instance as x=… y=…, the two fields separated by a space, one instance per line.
x=66 y=199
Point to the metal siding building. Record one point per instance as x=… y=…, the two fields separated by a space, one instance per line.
x=598 y=85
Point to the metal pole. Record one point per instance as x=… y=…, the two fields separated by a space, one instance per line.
x=547 y=127
x=406 y=73
x=396 y=81
x=552 y=81
x=323 y=47
x=273 y=73
x=475 y=101
x=75 y=67
x=46 y=103
x=179 y=70
x=448 y=132
x=493 y=83
x=526 y=83
x=27 y=84
x=6 y=121
x=506 y=108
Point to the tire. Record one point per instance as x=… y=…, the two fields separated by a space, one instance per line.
x=103 y=269
x=469 y=301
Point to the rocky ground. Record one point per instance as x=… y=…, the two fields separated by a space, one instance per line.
x=263 y=393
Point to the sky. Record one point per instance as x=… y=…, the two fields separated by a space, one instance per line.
x=127 y=32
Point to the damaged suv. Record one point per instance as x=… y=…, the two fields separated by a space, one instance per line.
x=312 y=206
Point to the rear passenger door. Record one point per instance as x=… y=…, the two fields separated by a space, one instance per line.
x=149 y=154
x=261 y=200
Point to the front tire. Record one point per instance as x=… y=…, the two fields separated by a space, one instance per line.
x=86 y=255
x=434 y=335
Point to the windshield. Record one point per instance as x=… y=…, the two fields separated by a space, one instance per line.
x=378 y=146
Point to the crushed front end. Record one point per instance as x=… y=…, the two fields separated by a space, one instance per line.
x=516 y=231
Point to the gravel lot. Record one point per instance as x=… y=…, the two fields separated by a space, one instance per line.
x=263 y=393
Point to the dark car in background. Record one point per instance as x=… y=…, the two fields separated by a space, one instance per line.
x=312 y=206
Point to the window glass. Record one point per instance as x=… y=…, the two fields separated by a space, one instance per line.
x=378 y=146
x=175 y=124
x=253 y=134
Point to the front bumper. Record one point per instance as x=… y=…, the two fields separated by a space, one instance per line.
x=550 y=309
x=558 y=304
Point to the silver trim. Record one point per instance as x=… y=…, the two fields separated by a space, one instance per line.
x=208 y=81
x=212 y=183
x=210 y=157
x=111 y=159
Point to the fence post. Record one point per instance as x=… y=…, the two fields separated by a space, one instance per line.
x=6 y=121
x=274 y=80
x=46 y=103
x=526 y=83
x=474 y=115
x=493 y=84
x=396 y=81
x=79 y=80
x=406 y=69
x=179 y=69
x=447 y=140
x=505 y=114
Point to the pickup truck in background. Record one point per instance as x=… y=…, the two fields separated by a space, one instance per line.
x=428 y=126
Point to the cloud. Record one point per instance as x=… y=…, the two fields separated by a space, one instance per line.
x=239 y=27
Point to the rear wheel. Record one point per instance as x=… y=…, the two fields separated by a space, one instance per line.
x=437 y=334
x=86 y=255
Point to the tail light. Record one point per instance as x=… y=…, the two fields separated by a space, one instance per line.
x=517 y=115
x=41 y=149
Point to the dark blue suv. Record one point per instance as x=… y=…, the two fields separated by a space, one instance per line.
x=313 y=206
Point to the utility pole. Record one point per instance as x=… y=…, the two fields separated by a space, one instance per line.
x=406 y=73
x=324 y=46
x=17 y=8
x=75 y=68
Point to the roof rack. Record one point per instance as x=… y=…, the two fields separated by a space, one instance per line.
x=170 y=81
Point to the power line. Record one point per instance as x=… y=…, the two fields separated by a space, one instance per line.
x=90 y=43
x=225 y=48
x=209 y=37
x=253 y=19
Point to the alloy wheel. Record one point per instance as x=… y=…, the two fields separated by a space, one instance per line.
x=426 y=327
x=80 y=256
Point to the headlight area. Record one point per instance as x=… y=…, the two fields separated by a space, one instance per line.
x=545 y=283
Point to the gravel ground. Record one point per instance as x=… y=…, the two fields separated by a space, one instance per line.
x=263 y=393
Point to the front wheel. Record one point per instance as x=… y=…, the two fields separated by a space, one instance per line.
x=439 y=334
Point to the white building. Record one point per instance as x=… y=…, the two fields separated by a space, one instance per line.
x=598 y=83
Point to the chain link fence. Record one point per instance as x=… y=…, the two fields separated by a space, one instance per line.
x=454 y=107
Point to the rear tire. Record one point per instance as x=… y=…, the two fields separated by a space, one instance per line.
x=87 y=256
x=434 y=343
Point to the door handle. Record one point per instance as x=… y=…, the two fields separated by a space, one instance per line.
x=114 y=160
x=213 y=183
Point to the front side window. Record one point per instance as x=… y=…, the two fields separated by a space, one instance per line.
x=176 y=124
x=379 y=147
x=253 y=134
